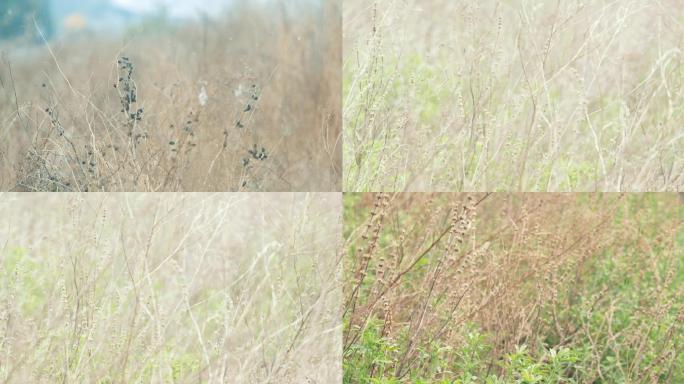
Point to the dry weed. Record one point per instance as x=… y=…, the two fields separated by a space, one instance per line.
x=245 y=102
x=143 y=288
x=446 y=287
x=495 y=95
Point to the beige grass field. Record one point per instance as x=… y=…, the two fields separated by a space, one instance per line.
x=248 y=101
x=513 y=95
x=170 y=288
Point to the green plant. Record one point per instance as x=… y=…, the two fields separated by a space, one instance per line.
x=513 y=288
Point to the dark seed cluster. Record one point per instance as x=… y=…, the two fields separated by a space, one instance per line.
x=249 y=105
x=128 y=95
x=257 y=154
x=126 y=84
x=54 y=120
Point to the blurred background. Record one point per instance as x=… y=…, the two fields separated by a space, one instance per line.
x=243 y=74
x=64 y=18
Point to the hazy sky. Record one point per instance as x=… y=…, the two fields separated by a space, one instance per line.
x=176 y=8
x=189 y=8
x=107 y=15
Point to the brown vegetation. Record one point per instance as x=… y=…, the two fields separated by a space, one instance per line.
x=449 y=286
x=248 y=102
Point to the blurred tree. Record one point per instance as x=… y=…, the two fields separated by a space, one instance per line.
x=16 y=18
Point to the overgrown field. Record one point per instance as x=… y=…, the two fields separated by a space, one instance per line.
x=513 y=95
x=169 y=288
x=246 y=101
x=514 y=288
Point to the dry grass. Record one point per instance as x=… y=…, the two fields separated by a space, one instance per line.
x=523 y=288
x=518 y=95
x=271 y=120
x=169 y=288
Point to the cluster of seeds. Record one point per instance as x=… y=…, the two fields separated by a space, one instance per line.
x=461 y=222
x=249 y=107
x=186 y=139
x=258 y=154
x=128 y=95
x=54 y=120
x=372 y=233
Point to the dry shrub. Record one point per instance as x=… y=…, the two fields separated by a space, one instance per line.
x=92 y=113
x=494 y=95
x=600 y=275
x=142 y=288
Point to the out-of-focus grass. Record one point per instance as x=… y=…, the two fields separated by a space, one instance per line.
x=271 y=76
x=146 y=288
x=496 y=95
